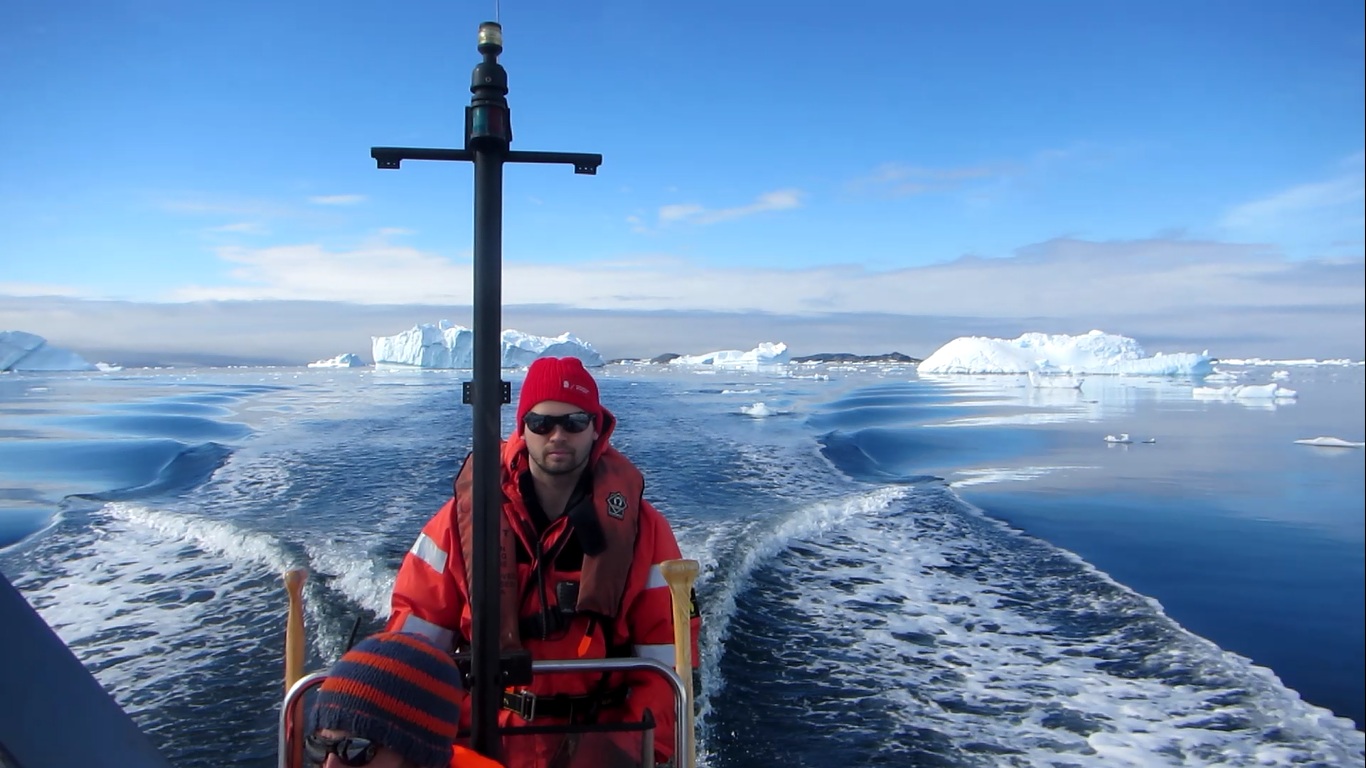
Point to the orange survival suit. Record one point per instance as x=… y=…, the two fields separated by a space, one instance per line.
x=586 y=586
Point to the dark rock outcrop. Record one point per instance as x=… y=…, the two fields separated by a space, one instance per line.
x=847 y=357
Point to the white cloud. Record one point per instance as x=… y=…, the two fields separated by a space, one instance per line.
x=336 y=199
x=211 y=205
x=1294 y=202
x=979 y=182
x=671 y=213
x=374 y=272
x=41 y=289
x=1318 y=212
x=902 y=180
x=777 y=200
x=1171 y=294
x=241 y=228
x=1072 y=277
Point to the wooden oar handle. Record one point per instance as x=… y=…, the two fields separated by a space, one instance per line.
x=680 y=575
x=294 y=627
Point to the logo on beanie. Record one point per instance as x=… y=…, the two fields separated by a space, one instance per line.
x=581 y=389
x=616 y=505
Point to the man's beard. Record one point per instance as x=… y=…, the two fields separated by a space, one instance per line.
x=562 y=468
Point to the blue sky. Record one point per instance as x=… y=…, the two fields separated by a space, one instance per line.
x=991 y=159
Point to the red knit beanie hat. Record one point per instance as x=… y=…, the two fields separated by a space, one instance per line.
x=559 y=378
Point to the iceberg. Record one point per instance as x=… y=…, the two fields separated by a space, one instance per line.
x=767 y=353
x=22 y=351
x=1092 y=353
x=348 y=360
x=1245 y=391
x=1223 y=375
x=447 y=345
x=1331 y=442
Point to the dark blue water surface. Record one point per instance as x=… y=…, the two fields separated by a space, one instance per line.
x=1243 y=536
x=1288 y=597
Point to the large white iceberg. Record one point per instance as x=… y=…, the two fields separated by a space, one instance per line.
x=767 y=353
x=446 y=345
x=1095 y=352
x=22 y=351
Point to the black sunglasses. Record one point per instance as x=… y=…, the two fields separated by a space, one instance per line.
x=352 y=751
x=573 y=423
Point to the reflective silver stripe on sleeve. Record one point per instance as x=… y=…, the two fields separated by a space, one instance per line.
x=662 y=653
x=426 y=550
x=656 y=578
x=434 y=632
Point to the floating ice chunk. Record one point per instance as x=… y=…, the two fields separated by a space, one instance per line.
x=1220 y=375
x=1245 y=392
x=348 y=360
x=1330 y=442
x=760 y=410
x=767 y=353
x=1122 y=437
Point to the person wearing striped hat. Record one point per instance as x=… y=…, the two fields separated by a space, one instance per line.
x=389 y=702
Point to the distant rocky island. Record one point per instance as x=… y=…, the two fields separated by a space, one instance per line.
x=847 y=357
x=822 y=357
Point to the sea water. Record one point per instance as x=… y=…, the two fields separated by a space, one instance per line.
x=897 y=570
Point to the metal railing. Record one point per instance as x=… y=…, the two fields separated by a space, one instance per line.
x=293 y=717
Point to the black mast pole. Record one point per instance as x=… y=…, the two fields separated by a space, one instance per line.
x=488 y=134
x=488 y=131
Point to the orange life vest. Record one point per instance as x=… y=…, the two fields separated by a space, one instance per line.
x=617 y=490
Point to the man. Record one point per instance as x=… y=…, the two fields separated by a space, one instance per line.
x=579 y=577
x=389 y=702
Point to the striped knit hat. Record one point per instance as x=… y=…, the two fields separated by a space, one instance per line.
x=399 y=691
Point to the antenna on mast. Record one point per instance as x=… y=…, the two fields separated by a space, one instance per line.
x=488 y=134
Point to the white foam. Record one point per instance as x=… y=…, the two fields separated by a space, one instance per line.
x=355 y=571
x=762 y=543
x=965 y=478
x=215 y=537
x=947 y=640
x=761 y=410
x=135 y=605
